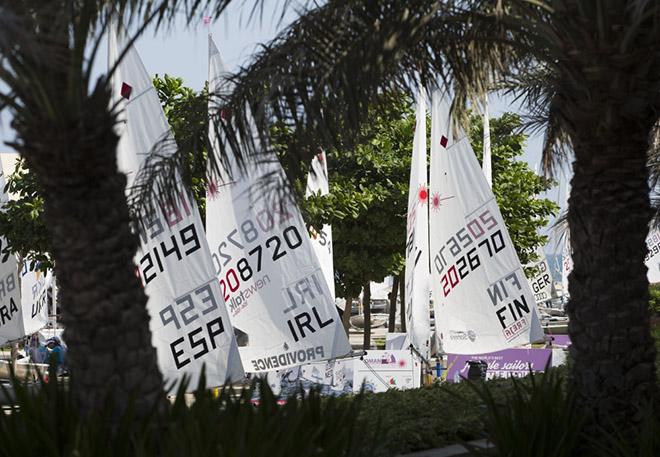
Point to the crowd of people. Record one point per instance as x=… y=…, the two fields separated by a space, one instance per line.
x=51 y=350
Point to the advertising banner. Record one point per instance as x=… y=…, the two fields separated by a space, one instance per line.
x=501 y=364
x=380 y=371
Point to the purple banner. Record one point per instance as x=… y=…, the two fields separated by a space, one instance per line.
x=501 y=364
x=560 y=340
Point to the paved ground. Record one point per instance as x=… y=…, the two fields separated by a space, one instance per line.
x=356 y=336
x=455 y=450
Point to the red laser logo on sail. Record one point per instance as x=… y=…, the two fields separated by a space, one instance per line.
x=423 y=195
x=437 y=199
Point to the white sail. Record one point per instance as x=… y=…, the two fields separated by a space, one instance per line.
x=275 y=291
x=317 y=183
x=541 y=282
x=23 y=304
x=417 y=275
x=653 y=256
x=189 y=324
x=34 y=298
x=11 y=311
x=481 y=297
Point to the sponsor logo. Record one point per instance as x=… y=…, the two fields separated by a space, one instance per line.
x=515 y=329
x=240 y=301
x=460 y=335
x=295 y=357
x=387 y=359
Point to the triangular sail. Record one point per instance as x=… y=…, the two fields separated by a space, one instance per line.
x=23 y=307
x=541 y=282
x=317 y=183
x=275 y=291
x=34 y=298
x=11 y=320
x=417 y=275
x=653 y=256
x=481 y=297
x=189 y=323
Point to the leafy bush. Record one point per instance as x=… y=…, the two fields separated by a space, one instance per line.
x=419 y=419
x=536 y=416
x=644 y=442
x=654 y=299
x=46 y=423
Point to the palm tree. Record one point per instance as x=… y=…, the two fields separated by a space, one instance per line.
x=65 y=129
x=589 y=75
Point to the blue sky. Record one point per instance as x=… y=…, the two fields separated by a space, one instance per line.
x=182 y=51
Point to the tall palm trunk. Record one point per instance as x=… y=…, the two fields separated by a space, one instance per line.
x=71 y=149
x=346 y=317
x=366 y=306
x=105 y=317
x=392 y=317
x=613 y=352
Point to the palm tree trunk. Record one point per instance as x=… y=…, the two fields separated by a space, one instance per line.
x=105 y=318
x=67 y=134
x=402 y=293
x=346 y=317
x=392 y=318
x=366 y=305
x=613 y=352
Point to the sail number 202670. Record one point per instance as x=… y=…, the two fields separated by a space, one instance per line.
x=463 y=248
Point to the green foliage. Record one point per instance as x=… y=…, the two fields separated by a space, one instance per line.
x=655 y=333
x=368 y=199
x=47 y=423
x=21 y=222
x=187 y=115
x=186 y=110
x=430 y=417
x=641 y=442
x=368 y=196
x=536 y=416
x=515 y=186
x=654 y=299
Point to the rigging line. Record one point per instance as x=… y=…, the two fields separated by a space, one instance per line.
x=368 y=365
x=414 y=350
